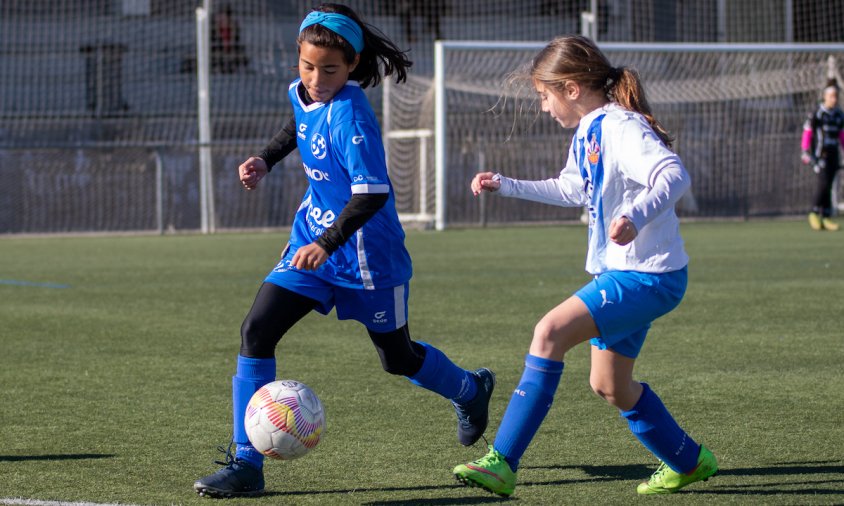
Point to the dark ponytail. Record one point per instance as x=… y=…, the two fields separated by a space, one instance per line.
x=378 y=50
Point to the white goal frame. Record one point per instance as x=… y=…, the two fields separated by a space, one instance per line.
x=441 y=47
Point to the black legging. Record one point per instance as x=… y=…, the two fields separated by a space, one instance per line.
x=826 y=177
x=277 y=309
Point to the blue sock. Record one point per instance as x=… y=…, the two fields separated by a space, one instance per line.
x=252 y=374
x=654 y=426
x=440 y=375
x=528 y=406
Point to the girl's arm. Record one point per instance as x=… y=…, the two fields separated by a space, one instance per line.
x=360 y=208
x=807 y=156
x=669 y=185
x=256 y=167
x=659 y=170
x=566 y=190
x=281 y=145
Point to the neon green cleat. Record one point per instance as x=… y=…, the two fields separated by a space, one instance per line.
x=667 y=481
x=490 y=472
x=815 y=222
x=829 y=225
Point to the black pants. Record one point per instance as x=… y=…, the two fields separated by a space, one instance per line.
x=822 y=203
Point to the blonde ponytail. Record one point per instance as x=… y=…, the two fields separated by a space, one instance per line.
x=577 y=58
x=628 y=92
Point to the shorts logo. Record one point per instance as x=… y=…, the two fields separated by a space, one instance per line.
x=357 y=139
x=318 y=146
x=302 y=128
x=284 y=266
x=379 y=317
x=604 y=302
x=593 y=152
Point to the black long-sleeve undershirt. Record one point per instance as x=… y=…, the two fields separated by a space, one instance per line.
x=282 y=144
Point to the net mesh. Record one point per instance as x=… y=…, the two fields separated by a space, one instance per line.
x=736 y=117
x=98 y=98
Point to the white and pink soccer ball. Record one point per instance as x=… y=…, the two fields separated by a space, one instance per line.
x=284 y=419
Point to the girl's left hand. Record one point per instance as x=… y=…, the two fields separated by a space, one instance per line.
x=310 y=257
x=622 y=231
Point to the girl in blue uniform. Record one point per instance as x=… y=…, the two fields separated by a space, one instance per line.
x=620 y=167
x=346 y=249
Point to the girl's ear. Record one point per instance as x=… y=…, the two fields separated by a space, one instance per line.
x=354 y=64
x=571 y=90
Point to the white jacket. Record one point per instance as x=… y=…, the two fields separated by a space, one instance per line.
x=617 y=166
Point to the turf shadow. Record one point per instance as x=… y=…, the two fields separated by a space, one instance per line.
x=65 y=456
x=622 y=472
x=361 y=490
x=788 y=468
x=441 y=501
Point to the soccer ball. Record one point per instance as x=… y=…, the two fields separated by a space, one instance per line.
x=284 y=419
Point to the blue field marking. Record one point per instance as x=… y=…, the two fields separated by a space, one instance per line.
x=18 y=282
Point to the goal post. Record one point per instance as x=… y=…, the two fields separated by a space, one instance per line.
x=736 y=111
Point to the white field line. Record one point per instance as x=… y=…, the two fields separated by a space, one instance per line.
x=36 y=502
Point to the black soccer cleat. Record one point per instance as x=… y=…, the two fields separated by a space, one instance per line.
x=473 y=416
x=236 y=479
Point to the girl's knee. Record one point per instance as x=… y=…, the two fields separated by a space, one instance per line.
x=606 y=390
x=255 y=341
x=622 y=396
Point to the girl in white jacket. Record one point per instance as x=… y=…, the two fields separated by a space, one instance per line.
x=619 y=166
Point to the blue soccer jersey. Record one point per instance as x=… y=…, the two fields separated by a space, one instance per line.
x=342 y=152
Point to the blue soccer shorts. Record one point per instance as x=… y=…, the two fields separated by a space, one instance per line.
x=624 y=303
x=381 y=310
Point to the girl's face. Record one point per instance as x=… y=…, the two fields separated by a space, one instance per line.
x=323 y=70
x=830 y=98
x=559 y=107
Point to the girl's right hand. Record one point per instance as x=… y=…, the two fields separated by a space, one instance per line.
x=485 y=181
x=251 y=171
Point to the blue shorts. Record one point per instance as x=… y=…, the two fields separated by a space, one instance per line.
x=624 y=303
x=381 y=310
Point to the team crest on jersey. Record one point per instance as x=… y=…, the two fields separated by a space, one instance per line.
x=318 y=146
x=593 y=152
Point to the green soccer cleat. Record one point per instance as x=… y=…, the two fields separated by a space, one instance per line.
x=830 y=225
x=815 y=222
x=667 y=481
x=491 y=472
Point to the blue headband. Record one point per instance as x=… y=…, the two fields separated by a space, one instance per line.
x=343 y=26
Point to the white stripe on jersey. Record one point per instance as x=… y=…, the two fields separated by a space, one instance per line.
x=365 y=275
x=370 y=188
x=398 y=299
x=306 y=107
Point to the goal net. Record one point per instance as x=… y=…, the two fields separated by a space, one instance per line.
x=100 y=116
x=736 y=112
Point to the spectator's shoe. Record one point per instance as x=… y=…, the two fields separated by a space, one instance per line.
x=491 y=472
x=815 y=221
x=473 y=416
x=830 y=225
x=236 y=479
x=667 y=481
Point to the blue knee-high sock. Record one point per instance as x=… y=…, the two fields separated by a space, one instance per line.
x=441 y=375
x=252 y=374
x=654 y=426
x=528 y=406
